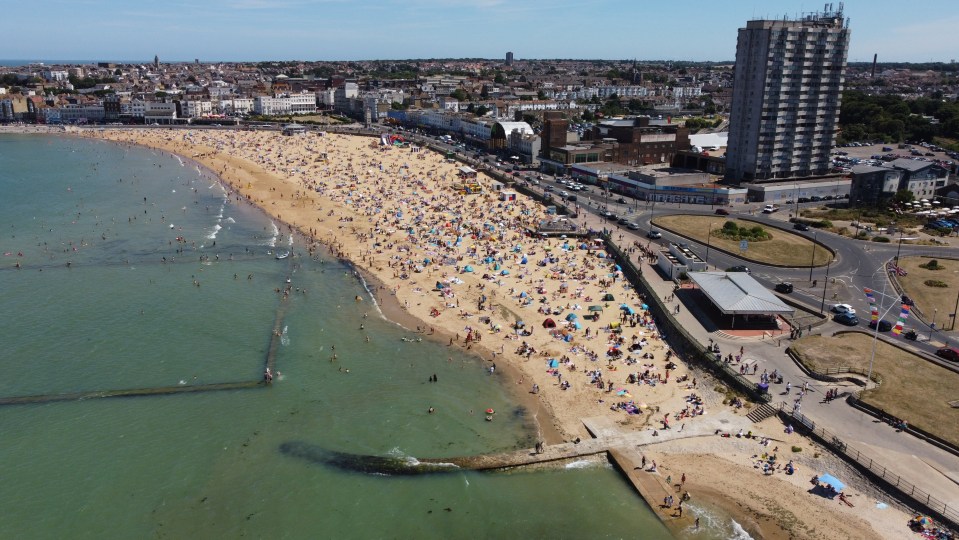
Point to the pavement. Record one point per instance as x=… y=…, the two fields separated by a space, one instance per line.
x=899 y=451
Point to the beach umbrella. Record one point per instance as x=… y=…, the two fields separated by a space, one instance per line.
x=572 y=316
x=925 y=522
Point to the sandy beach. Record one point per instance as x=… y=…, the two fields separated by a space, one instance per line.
x=461 y=268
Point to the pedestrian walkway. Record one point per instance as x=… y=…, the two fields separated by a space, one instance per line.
x=853 y=425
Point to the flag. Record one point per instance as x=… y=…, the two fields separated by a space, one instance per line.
x=903 y=315
x=873 y=308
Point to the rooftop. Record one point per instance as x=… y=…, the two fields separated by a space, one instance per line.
x=737 y=293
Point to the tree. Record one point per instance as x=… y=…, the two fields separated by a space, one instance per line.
x=482 y=110
x=459 y=94
x=499 y=78
x=903 y=196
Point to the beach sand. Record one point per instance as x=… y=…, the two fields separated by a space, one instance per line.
x=398 y=214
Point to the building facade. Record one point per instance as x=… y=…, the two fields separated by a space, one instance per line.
x=787 y=92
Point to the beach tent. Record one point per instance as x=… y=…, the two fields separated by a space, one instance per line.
x=577 y=326
x=609 y=297
x=440 y=285
x=468 y=268
x=549 y=323
x=595 y=309
x=553 y=363
x=572 y=316
x=831 y=480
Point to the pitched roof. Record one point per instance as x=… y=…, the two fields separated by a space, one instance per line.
x=737 y=293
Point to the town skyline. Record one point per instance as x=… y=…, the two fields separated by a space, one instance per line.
x=329 y=30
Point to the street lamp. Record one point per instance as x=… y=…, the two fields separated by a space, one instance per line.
x=812 y=261
x=822 y=306
x=932 y=325
x=708 y=238
x=900 y=246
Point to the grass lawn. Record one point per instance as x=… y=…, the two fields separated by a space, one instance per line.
x=912 y=388
x=784 y=248
x=928 y=299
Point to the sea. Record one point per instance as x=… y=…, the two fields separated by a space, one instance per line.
x=126 y=268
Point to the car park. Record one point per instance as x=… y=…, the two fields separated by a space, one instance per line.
x=949 y=353
x=784 y=287
x=654 y=234
x=848 y=319
x=842 y=308
x=884 y=326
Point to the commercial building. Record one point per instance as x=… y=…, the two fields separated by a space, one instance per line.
x=871 y=185
x=787 y=92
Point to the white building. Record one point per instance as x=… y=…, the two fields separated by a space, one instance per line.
x=55 y=76
x=195 y=109
x=236 y=106
x=285 y=104
x=159 y=112
x=71 y=114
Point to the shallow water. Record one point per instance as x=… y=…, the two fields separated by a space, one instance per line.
x=107 y=298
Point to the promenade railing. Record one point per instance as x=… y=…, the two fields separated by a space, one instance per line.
x=937 y=508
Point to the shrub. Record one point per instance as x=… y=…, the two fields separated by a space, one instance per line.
x=935 y=283
x=730 y=227
x=797 y=449
x=881 y=239
x=931 y=265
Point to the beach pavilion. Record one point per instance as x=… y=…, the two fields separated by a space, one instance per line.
x=738 y=301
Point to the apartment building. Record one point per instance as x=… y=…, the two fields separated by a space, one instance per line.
x=787 y=92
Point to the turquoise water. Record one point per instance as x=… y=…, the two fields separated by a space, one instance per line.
x=107 y=297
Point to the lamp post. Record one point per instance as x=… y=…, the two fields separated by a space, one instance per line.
x=932 y=325
x=898 y=249
x=708 y=238
x=796 y=199
x=875 y=337
x=822 y=306
x=812 y=261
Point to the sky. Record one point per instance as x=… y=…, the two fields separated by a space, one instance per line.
x=254 y=30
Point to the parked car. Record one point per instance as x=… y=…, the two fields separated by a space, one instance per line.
x=722 y=212
x=632 y=226
x=784 y=287
x=884 y=326
x=842 y=308
x=801 y=227
x=911 y=335
x=622 y=221
x=908 y=301
x=548 y=188
x=738 y=268
x=847 y=319
x=948 y=353
x=654 y=234
x=607 y=214
x=621 y=200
